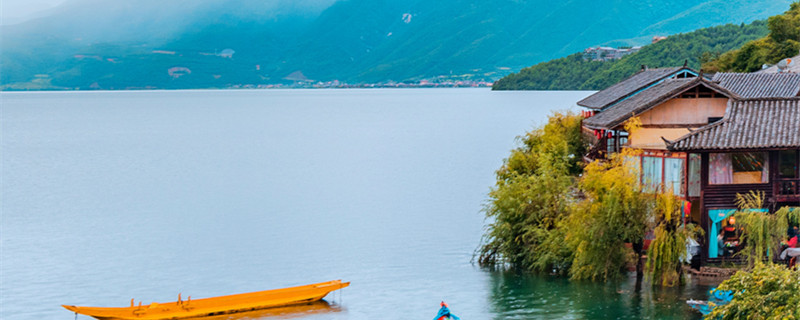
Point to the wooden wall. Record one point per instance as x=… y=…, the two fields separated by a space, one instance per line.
x=686 y=112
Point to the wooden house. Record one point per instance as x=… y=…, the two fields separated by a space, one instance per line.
x=608 y=138
x=667 y=110
x=756 y=146
x=691 y=126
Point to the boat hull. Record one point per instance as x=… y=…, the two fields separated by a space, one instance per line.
x=183 y=309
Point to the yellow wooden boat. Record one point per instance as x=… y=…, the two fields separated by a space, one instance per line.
x=190 y=308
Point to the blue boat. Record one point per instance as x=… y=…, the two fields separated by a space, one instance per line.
x=716 y=298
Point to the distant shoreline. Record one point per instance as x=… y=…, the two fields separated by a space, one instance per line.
x=481 y=84
x=256 y=88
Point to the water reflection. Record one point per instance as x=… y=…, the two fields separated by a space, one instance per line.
x=288 y=312
x=527 y=296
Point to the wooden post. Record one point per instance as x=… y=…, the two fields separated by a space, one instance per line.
x=704 y=221
x=774 y=177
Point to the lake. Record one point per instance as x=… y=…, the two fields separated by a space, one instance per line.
x=108 y=196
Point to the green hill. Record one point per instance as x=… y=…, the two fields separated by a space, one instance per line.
x=573 y=73
x=782 y=42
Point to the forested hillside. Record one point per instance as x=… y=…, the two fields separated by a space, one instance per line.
x=574 y=73
x=782 y=42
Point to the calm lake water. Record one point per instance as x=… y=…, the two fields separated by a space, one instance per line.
x=108 y=196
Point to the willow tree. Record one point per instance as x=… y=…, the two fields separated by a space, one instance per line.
x=532 y=194
x=614 y=212
x=762 y=232
x=669 y=245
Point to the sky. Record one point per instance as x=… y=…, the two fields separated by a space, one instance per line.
x=16 y=11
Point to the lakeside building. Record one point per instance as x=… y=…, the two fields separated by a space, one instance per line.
x=705 y=139
x=756 y=146
x=607 y=53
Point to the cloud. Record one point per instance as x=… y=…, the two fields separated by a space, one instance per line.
x=16 y=11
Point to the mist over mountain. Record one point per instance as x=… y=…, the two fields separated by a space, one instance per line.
x=155 y=20
x=96 y=44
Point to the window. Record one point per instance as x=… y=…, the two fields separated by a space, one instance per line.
x=787 y=164
x=673 y=175
x=612 y=146
x=700 y=92
x=651 y=173
x=694 y=175
x=738 y=168
x=663 y=174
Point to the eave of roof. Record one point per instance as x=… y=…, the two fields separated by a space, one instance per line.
x=748 y=124
x=760 y=85
x=617 y=114
x=630 y=86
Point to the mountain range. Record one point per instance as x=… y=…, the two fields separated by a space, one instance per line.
x=96 y=44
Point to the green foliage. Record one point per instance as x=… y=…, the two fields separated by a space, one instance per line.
x=766 y=292
x=762 y=232
x=567 y=73
x=665 y=251
x=546 y=218
x=614 y=212
x=532 y=195
x=573 y=73
x=783 y=41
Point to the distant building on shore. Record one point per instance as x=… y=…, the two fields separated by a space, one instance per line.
x=607 y=53
x=657 y=39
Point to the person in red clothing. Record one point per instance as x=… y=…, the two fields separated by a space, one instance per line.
x=792 y=250
x=728 y=238
x=792 y=242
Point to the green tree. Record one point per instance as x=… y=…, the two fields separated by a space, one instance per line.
x=783 y=41
x=762 y=232
x=669 y=245
x=766 y=292
x=549 y=213
x=613 y=212
x=532 y=194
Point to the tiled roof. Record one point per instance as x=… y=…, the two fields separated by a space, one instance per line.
x=760 y=85
x=748 y=124
x=774 y=69
x=625 y=88
x=646 y=100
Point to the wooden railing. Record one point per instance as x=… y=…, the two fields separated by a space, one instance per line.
x=724 y=195
x=598 y=151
